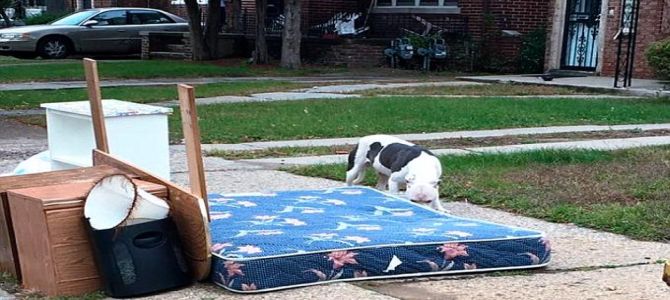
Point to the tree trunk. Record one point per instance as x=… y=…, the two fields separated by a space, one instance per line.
x=212 y=27
x=5 y=18
x=204 y=41
x=261 y=51
x=235 y=20
x=4 y=4
x=292 y=35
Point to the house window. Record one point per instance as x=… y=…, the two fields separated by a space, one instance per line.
x=417 y=6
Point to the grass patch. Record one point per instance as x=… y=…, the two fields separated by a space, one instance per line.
x=280 y=152
x=624 y=191
x=245 y=122
x=496 y=89
x=8 y=60
x=140 y=69
x=33 y=98
x=457 y=143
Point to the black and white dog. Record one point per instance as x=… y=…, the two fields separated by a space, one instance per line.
x=397 y=163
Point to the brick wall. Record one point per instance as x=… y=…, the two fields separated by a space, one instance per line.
x=482 y=20
x=520 y=15
x=652 y=27
x=345 y=52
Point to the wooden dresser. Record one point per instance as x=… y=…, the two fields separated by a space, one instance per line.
x=51 y=237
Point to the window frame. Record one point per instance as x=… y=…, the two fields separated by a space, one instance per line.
x=443 y=7
x=130 y=13
x=110 y=11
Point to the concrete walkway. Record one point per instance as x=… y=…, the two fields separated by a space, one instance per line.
x=435 y=136
x=640 y=87
x=371 y=86
x=56 y=85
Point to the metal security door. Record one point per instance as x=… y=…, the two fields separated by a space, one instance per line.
x=580 y=44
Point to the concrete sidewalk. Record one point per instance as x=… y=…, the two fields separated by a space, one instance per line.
x=640 y=87
x=57 y=85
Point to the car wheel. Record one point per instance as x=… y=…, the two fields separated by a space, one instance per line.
x=24 y=55
x=54 y=48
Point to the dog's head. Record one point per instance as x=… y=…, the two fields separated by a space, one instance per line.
x=422 y=189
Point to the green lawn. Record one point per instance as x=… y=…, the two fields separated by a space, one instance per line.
x=32 y=98
x=243 y=122
x=624 y=192
x=140 y=69
x=8 y=60
x=496 y=89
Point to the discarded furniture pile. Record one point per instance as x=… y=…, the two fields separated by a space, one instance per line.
x=77 y=219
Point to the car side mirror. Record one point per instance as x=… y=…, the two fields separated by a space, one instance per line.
x=90 y=23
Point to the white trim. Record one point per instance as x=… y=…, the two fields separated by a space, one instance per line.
x=539 y=234
x=385 y=277
x=557 y=35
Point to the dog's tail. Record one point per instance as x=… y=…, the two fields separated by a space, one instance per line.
x=352 y=158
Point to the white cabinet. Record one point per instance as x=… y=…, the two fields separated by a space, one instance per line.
x=137 y=133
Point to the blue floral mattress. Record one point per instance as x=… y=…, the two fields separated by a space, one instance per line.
x=264 y=242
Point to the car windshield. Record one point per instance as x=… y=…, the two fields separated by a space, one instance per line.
x=76 y=18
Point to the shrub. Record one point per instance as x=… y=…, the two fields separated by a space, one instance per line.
x=658 y=56
x=44 y=18
x=531 y=55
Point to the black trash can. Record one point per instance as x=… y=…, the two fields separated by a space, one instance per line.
x=140 y=259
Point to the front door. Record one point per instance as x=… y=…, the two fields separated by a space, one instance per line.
x=580 y=42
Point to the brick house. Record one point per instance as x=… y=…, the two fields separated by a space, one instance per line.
x=386 y=19
x=579 y=32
